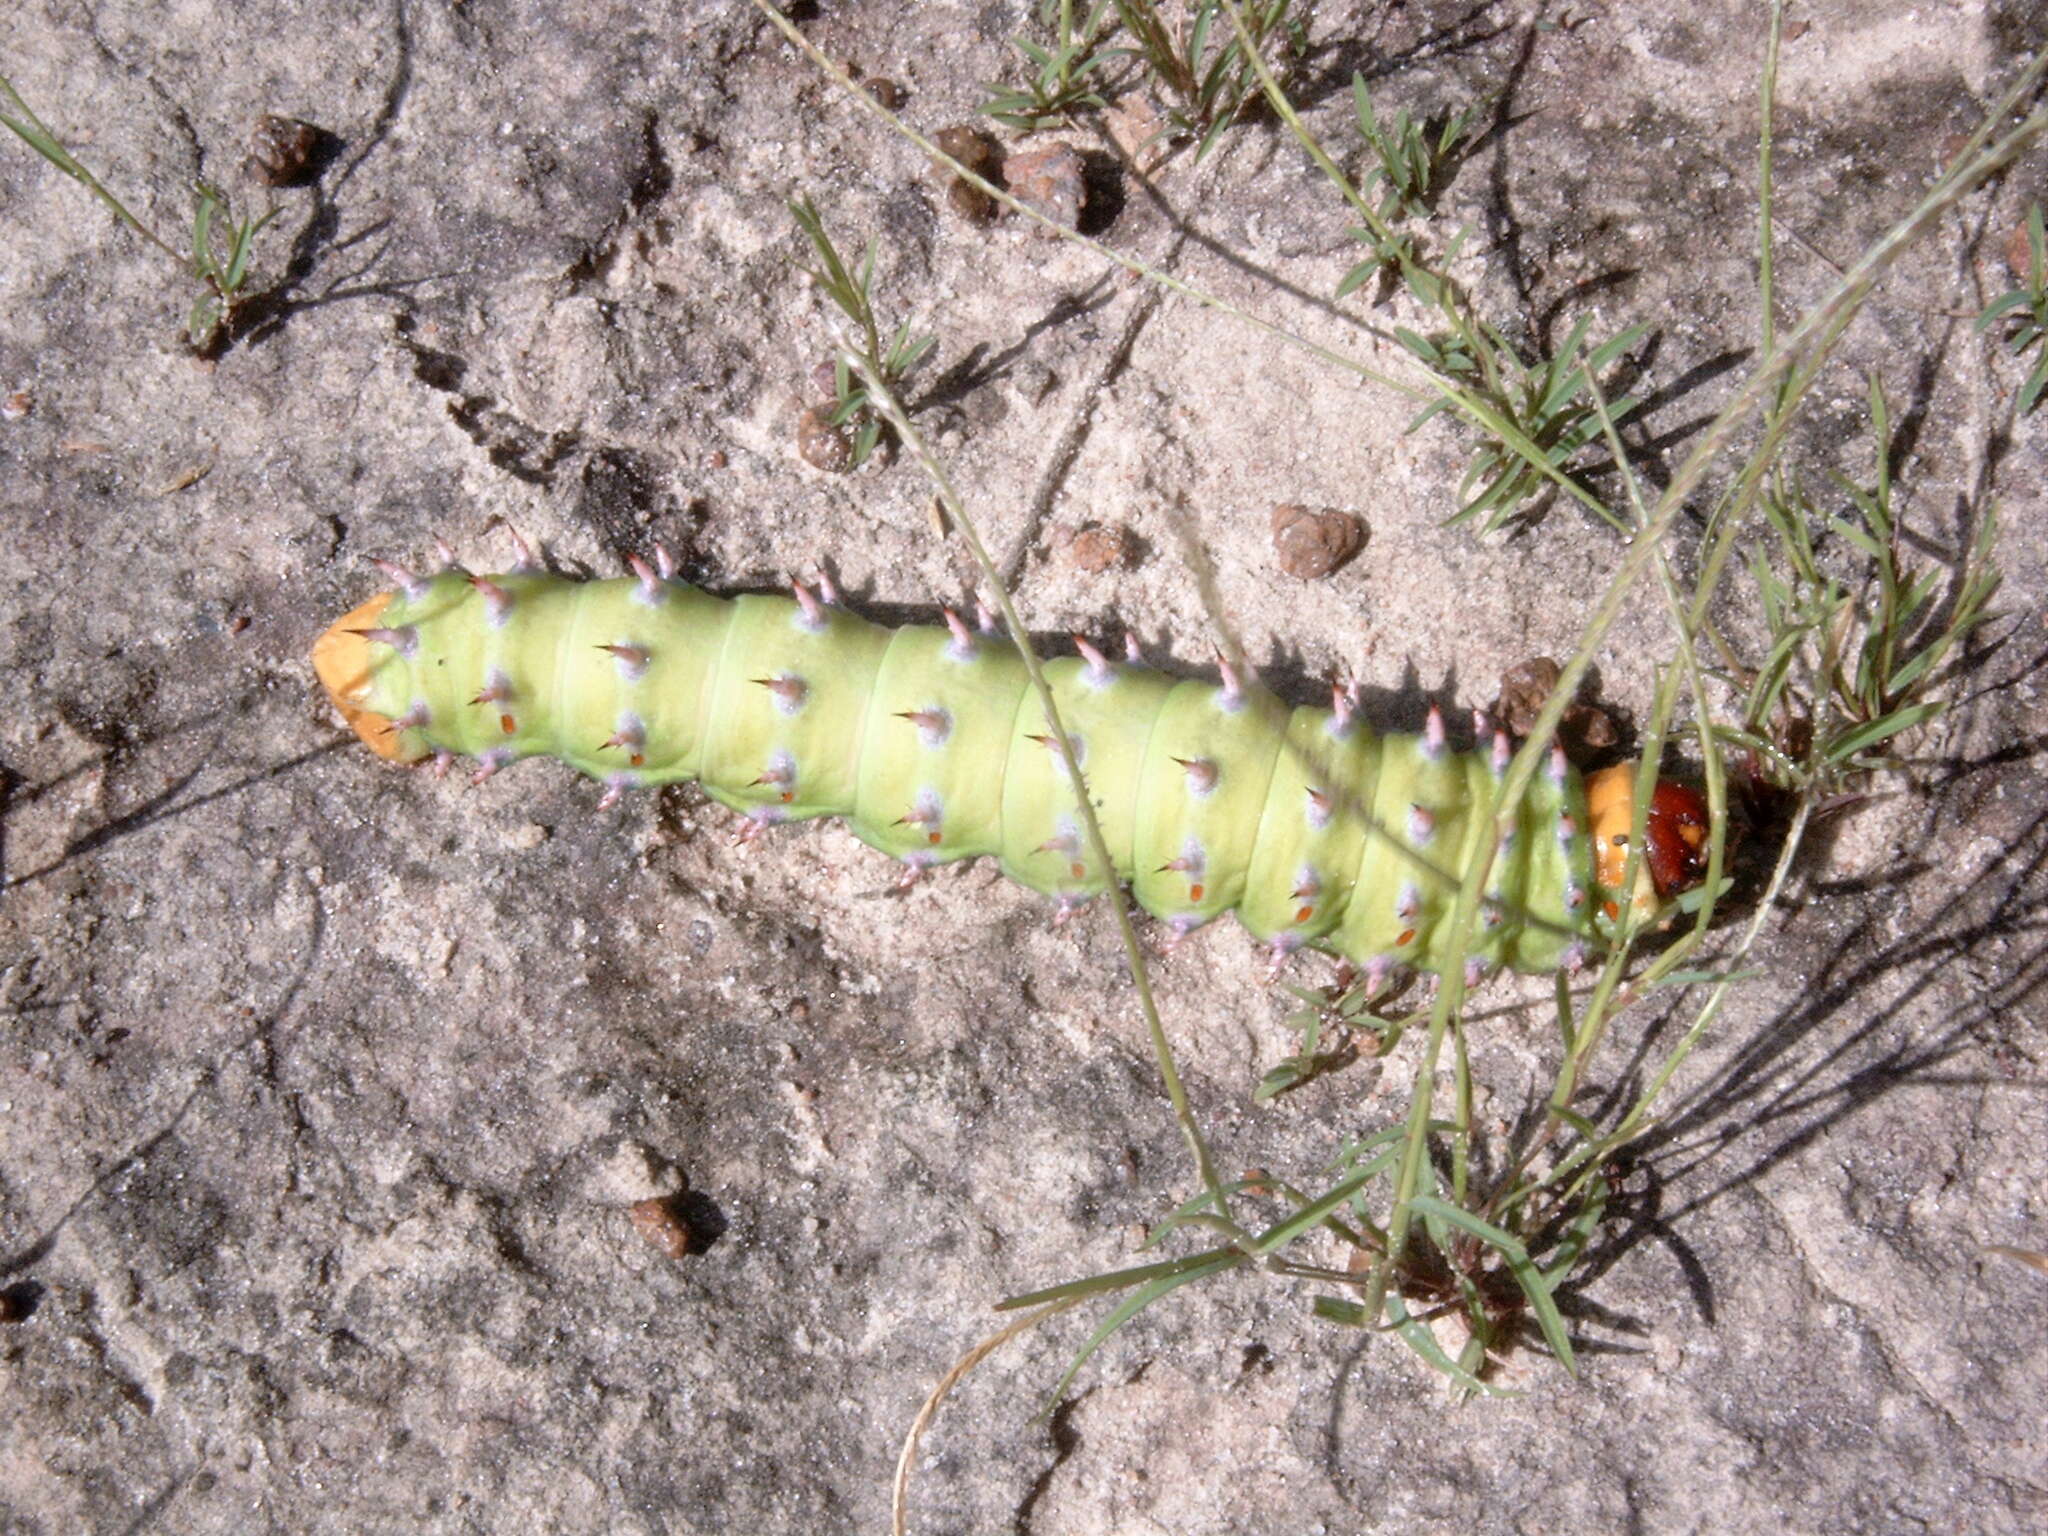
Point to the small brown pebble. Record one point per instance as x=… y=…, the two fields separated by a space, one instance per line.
x=1312 y=542
x=1051 y=180
x=825 y=386
x=1095 y=549
x=1794 y=30
x=238 y=623
x=17 y=405
x=975 y=151
x=887 y=92
x=715 y=459
x=663 y=1227
x=10 y=1309
x=822 y=445
x=2019 y=253
x=1523 y=690
x=1590 y=728
x=281 y=150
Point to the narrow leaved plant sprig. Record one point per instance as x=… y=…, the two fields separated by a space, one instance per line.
x=222 y=245
x=1064 y=77
x=2024 y=313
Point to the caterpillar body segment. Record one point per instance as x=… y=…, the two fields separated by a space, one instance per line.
x=1314 y=829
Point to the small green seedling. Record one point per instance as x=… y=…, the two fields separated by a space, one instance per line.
x=851 y=292
x=2025 y=311
x=1203 y=67
x=220 y=262
x=1412 y=166
x=1062 y=78
x=1848 y=669
x=1536 y=418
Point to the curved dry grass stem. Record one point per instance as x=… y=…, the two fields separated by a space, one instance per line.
x=899 y=1493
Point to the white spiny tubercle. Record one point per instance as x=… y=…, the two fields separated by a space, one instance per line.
x=1202 y=774
x=402 y=578
x=1341 y=707
x=1134 y=653
x=615 y=789
x=1321 y=805
x=1099 y=672
x=1230 y=697
x=489 y=763
x=1408 y=904
x=1434 y=739
x=1475 y=970
x=984 y=619
x=404 y=640
x=653 y=590
x=1559 y=766
x=414 y=717
x=445 y=553
x=962 y=647
x=810 y=612
x=441 y=762
x=632 y=660
x=1421 y=825
x=630 y=736
x=1482 y=725
x=1503 y=753
x=497 y=601
x=933 y=724
x=1567 y=829
x=524 y=558
x=828 y=590
x=664 y=563
x=497 y=689
x=790 y=691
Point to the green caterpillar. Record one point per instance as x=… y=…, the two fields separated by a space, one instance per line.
x=1313 y=828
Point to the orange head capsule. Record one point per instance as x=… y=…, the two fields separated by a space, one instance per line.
x=343 y=658
x=1676 y=832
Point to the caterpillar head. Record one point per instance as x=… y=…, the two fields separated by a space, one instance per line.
x=343 y=661
x=1676 y=832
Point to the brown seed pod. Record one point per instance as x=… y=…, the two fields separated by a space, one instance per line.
x=1312 y=542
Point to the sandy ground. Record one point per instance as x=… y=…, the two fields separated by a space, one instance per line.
x=324 y=1088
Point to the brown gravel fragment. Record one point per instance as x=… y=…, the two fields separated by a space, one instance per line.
x=1050 y=179
x=17 y=405
x=887 y=92
x=1524 y=688
x=822 y=445
x=281 y=151
x=2019 y=253
x=1313 y=542
x=661 y=1224
x=1096 y=549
